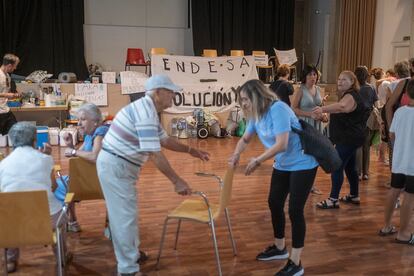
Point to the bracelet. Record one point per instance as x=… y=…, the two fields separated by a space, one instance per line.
x=189 y=149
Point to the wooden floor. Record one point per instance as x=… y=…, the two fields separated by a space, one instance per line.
x=338 y=242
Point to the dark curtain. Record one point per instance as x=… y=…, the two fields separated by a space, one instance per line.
x=242 y=25
x=45 y=35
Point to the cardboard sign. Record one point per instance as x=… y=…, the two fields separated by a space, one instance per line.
x=133 y=82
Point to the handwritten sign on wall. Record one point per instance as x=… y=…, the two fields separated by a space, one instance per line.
x=132 y=82
x=96 y=93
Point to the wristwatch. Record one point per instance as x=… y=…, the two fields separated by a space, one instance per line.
x=73 y=152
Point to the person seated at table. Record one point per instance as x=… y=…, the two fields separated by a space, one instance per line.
x=92 y=127
x=36 y=175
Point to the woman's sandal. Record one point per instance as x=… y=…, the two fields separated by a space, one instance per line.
x=409 y=242
x=350 y=199
x=387 y=231
x=328 y=204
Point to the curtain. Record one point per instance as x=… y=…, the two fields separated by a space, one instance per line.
x=242 y=25
x=45 y=35
x=356 y=33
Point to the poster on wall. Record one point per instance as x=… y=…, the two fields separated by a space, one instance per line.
x=96 y=93
x=132 y=82
x=209 y=83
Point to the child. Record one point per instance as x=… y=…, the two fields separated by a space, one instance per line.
x=402 y=178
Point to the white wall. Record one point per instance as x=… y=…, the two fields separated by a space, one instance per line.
x=393 y=22
x=113 y=26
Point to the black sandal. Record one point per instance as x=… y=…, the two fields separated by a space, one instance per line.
x=350 y=199
x=388 y=231
x=334 y=204
x=409 y=242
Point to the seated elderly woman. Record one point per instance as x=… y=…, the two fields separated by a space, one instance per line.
x=90 y=125
x=36 y=175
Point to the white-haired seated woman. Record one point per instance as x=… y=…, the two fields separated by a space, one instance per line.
x=92 y=127
x=37 y=175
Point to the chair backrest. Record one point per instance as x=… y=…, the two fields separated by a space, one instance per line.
x=225 y=194
x=135 y=56
x=158 y=51
x=83 y=180
x=209 y=53
x=237 y=53
x=258 y=53
x=24 y=219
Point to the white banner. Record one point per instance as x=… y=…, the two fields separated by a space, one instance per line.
x=93 y=93
x=208 y=83
x=132 y=82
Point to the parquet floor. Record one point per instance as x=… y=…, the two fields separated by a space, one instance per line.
x=338 y=242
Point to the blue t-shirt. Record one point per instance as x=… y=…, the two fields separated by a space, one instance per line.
x=280 y=119
x=88 y=139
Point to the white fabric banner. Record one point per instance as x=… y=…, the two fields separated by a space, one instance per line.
x=208 y=83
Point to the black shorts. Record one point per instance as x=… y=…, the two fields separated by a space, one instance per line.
x=7 y=120
x=400 y=181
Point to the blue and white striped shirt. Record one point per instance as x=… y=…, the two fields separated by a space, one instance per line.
x=135 y=132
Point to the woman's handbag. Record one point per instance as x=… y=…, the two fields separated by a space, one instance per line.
x=319 y=146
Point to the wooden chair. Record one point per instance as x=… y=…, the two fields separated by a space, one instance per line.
x=84 y=183
x=209 y=53
x=237 y=53
x=202 y=211
x=83 y=180
x=25 y=221
x=268 y=69
x=158 y=51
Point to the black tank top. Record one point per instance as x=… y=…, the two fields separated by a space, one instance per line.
x=349 y=128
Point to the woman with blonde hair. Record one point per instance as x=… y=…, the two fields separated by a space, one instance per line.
x=348 y=120
x=293 y=171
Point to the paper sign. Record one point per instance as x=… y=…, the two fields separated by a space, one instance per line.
x=93 y=93
x=262 y=60
x=286 y=57
x=108 y=77
x=133 y=82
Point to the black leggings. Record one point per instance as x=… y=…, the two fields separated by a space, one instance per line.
x=298 y=184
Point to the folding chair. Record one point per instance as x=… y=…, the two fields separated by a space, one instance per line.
x=25 y=220
x=135 y=57
x=202 y=211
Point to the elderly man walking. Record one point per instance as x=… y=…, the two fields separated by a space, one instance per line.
x=135 y=135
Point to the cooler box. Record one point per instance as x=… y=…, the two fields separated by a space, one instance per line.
x=54 y=136
x=42 y=135
x=3 y=141
x=70 y=130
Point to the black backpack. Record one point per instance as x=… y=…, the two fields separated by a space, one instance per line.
x=319 y=146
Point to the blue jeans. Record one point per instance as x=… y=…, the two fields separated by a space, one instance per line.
x=348 y=157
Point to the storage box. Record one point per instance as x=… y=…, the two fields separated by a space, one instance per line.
x=42 y=135
x=71 y=130
x=3 y=140
x=54 y=136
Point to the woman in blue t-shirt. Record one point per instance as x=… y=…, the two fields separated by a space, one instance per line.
x=293 y=171
x=90 y=125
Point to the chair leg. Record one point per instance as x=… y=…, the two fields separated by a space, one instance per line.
x=161 y=243
x=176 y=235
x=5 y=262
x=59 y=252
x=213 y=231
x=233 y=243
